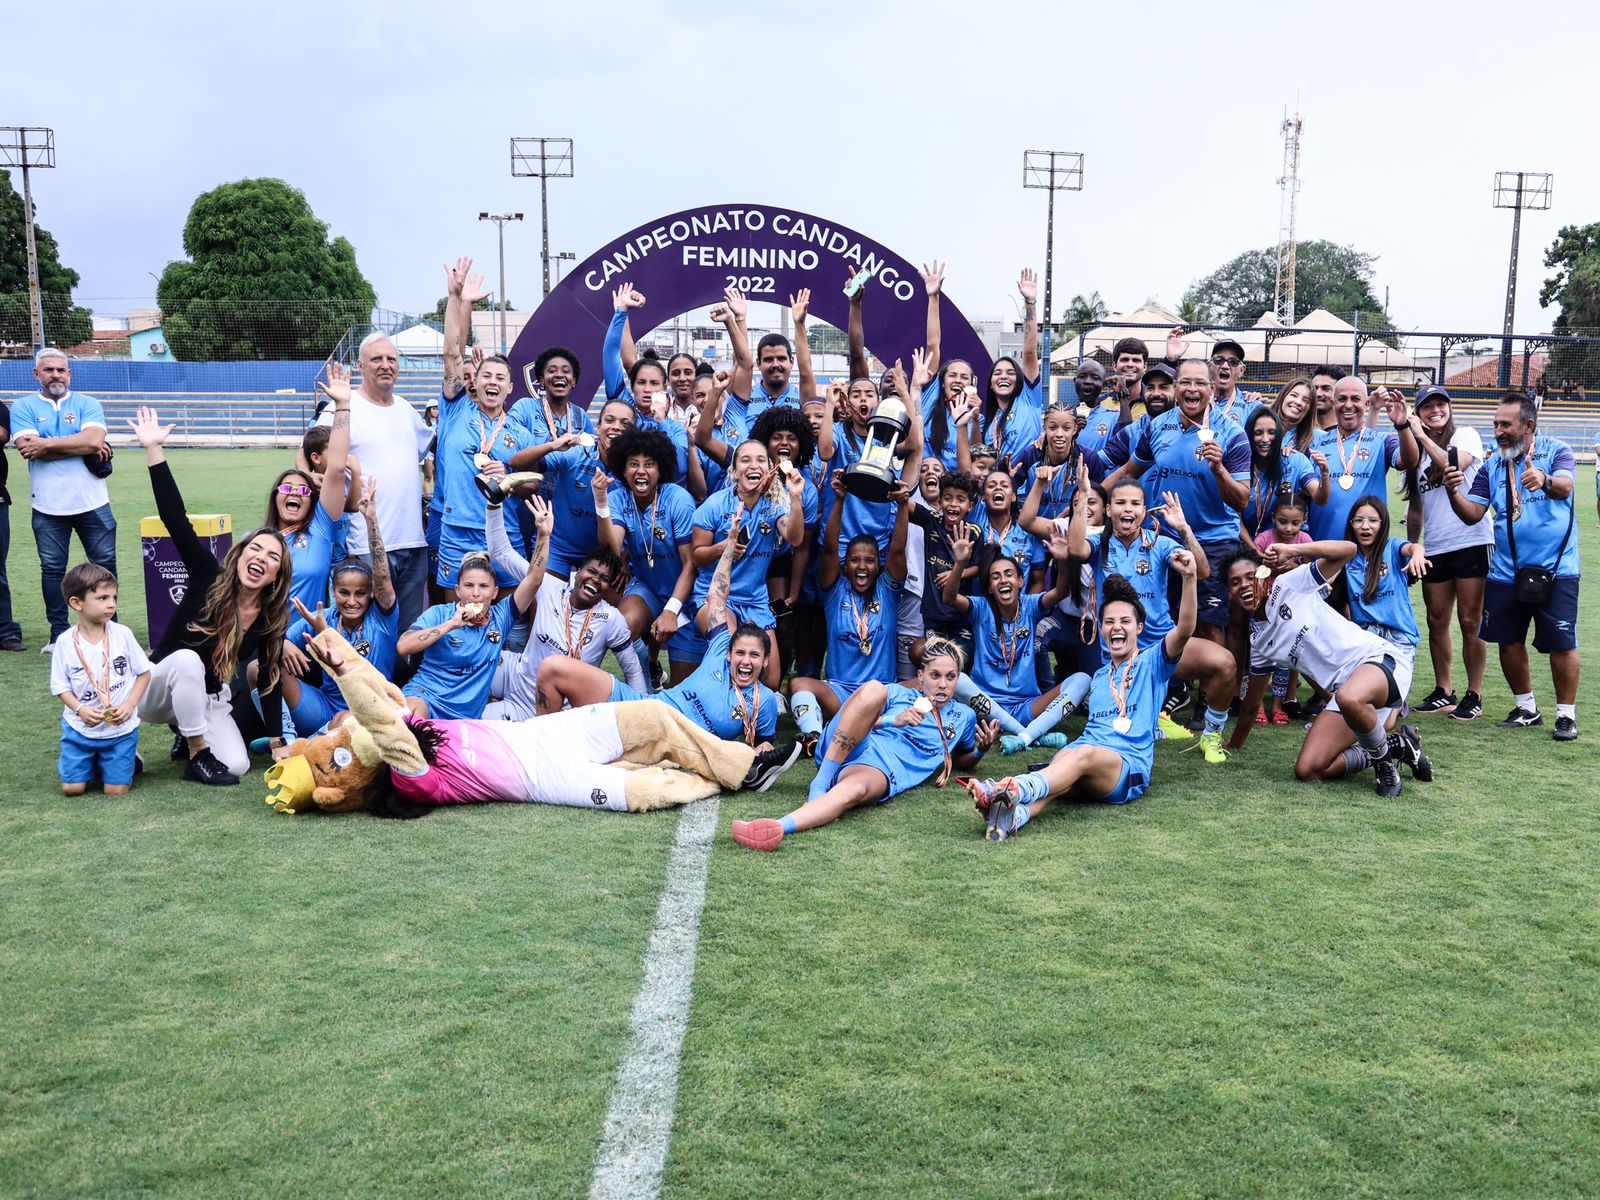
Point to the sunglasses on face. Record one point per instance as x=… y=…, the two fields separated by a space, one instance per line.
x=293 y=489
x=1224 y=360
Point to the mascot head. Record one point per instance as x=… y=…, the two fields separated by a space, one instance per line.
x=335 y=772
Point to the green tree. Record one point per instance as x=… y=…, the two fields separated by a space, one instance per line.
x=1083 y=312
x=484 y=305
x=65 y=324
x=262 y=280
x=1327 y=275
x=1575 y=258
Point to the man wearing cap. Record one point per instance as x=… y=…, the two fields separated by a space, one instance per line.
x=1533 y=572
x=1227 y=368
x=1156 y=386
x=62 y=433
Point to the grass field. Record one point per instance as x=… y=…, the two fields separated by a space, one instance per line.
x=1238 y=986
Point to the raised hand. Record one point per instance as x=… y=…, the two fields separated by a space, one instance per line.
x=625 y=299
x=737 y=304
x=921 y=376
x=838 y=393
x=1176 y=342
x=544 y=517
x=1183 y=563
x=1399 y=413
x=836 y=481
x=477 y=359
x=148 y=429
x=369 y=492
x=961 y=543
x=473 y=290
x=600 y=486
x=1172 y=513
x=720 y=381
x=988 y=733
x=337 y=386
x=1060 y=547
x=455 y=277
x=897 y=380
x=1532 y=477
x=800 y=305
x=316 y=620
x=1028 y=285
x=795 y=483
x=933 y=277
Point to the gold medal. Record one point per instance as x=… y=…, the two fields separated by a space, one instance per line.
x=1347 y=482
x=480 y=460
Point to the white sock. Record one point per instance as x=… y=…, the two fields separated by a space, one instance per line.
x=1526 y=700
x=1567 y=710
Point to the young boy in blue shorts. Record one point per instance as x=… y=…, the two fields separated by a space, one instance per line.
x=100 y=672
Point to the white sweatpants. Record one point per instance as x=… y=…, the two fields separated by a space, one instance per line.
x=177 y=692
x=567 y=757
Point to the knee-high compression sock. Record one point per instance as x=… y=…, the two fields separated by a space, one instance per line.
x=827 y=773
x=1356 y=761
x=1071 y=692
x=807 y=712
x=980 y=702
x=1375 y=742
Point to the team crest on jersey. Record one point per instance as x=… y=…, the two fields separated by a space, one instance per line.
x=1363 y=453
x=1142 y=567
x=597 y=797
x=301 y=540
x=71 y=418
x=509 y=442
x=1285 y=612
x=765 y=527
x=1383 y=570
x=494 y=636
x=363 y=647
x=874 y=606
x=657 y=533
x=119 y=664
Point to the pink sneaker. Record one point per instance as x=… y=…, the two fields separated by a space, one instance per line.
x=761 y=834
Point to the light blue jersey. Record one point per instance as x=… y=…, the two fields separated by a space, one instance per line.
x=1169 y=450
x=311 y=551
x=747 y=593
x=652 y=537
x=860 y=517
x=907 y=755
x=1103 y=421
x=1016 y=543
x=1002 y=651
x=855 y=620
x=710 y=697
x=1143 y=685
x=568 y=475
x=1543 y=523
x=1298 y=470
x=617 y=389
x=1145 y=564
x=1388 y=614
x=374 y=639
x=1365 y=459
x=458 y=669
x=463 y=432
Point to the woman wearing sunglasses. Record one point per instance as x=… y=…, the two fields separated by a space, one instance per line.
x=307 y=515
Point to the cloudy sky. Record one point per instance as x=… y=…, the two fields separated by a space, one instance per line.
x=905 y=120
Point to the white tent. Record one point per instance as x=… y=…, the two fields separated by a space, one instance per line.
x=1319 y=337
x=419 y=341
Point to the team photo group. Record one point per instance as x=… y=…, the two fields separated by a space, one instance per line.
x=635 y=583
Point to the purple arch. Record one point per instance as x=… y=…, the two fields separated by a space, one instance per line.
x=682 y=262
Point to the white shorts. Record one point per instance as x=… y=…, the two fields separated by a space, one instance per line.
x=1405 y=661
x=566 y=757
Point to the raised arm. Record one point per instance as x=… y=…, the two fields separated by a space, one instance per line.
x=793 y=523
x=623 y=301
x=828 y=566
x=716 y=605
x=501 y=552
x=1028 y=285
x=933 y=284
x=1400 y=414
x=705 y=429
x=732 y=312
x=1078 y=523
x=961 y=552
x=337 y=389
x=1183 y=626
x=799 y=307
x=897 y=566
x=152 y=435
x=1330 y=556
x=544 y=520
x=856 y=335
x=382 y=582
x=462 y=290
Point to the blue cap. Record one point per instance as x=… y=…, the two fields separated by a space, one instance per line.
x=1433 y=391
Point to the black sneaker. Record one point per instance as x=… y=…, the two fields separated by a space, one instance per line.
x=1437 y=701
x=1521 y=718
x=1566 y=729
x=1469 y=708
x=808 y=745
x=14 y=645
x=1388 y=774
x=138 y=763
x=768 y=765
x=205 y=768
x=180 y=747
x=1405 y=745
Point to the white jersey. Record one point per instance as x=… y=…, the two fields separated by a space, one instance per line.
x=83 y=668
x=1441 y=528
x=559 y=628
x=1299 y=630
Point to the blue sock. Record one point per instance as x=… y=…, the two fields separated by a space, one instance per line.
x=1215 y=720
x=827 y=772
x=1033 y=786
x=643 y=652
x=1048 y=719
x=807 y=712
x=788 y=825
x=981 y=703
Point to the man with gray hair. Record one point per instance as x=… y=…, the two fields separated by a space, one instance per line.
x=62 y=434
x=390 y=438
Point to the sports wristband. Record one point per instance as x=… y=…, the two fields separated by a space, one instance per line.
x=603 y=511
x=674 y=606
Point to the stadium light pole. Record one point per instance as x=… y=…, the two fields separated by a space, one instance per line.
x=27 y=147
x=544 y=159
x=1054 y=171
x=564 y=256
x=1516 y=190
x=500 y=220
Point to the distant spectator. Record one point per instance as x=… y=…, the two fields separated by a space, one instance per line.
x=390 y=438
x=10 y=631
x=62 y=434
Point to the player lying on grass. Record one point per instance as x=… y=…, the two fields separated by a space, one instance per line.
x=1292 y=625
x=887 y=739
x=630 y=757
x=1112 y=759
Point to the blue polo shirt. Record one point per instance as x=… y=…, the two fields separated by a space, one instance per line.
x=61 y=487
x=1368 y=457
x=1169 y=450
x=1545 y=522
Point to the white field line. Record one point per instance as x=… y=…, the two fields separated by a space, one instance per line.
x=639 y=1119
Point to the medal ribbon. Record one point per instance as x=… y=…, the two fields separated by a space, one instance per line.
x=944 y=740
x=1121 y=695
x=574 y=648
x=859 y=613
x=749 y=710
x=485 y=442
x=102 y=685
x=1346 y=466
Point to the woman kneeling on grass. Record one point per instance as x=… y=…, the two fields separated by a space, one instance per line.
x=1292 y=625
x=1112 y=759
x=887 y=739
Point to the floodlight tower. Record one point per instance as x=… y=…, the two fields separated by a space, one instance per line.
x=1289 y=186
x=27 y=147
x=1516 y=190
x=500 y=220
x=1054 y=171
x=544 y=159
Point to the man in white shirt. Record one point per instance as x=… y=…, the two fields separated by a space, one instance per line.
x=61 y=433
x=390 y=438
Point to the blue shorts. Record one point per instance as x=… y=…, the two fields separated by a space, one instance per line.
x=636 y=587
x=1211 y=593
x=1021 y=710
x=85 y=759
x=312 y=712
x=1555 y=623
x=431 y=530
x=455 y=543
x=1130 y=784
x=843 y=691
x=621 y=691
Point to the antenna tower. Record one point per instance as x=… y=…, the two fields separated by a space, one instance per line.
x=1289 y=186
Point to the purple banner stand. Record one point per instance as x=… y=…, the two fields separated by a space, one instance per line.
x=166 y=579
x=683 y=261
